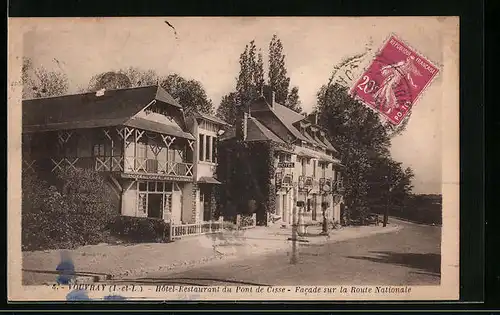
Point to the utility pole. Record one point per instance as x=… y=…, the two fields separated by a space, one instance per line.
x=387 y=201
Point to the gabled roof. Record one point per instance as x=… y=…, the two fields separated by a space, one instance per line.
x=228 y=134
x=288 y=118
x=87 y=110
x=256 y=131
x=211 y=118
x=329 y=146
x=145 y=124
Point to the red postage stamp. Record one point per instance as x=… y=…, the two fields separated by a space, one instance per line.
x=394 y=80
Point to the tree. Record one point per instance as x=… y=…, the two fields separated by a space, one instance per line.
x=122 y=79
x=293 y=100
x=139 y=77
x=250 y=80
x=249 y=83
x=110 y=80
x=227 y=107
x=363 y=143
x=190 y=93
x=390 y=186
x=278 y=78
x=40 y=82
x=251 y=77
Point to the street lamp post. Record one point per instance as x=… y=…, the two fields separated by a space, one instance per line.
x=324 y=205
x=296 y=204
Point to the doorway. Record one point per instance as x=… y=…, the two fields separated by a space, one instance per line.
x=278 y=205
x=206 y=203
x=314 y=207
x=284 y=213
x=342 y=214
x=155 y=206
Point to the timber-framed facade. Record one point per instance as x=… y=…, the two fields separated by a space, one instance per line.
x=138 y=138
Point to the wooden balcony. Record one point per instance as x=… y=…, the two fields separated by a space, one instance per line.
x=306 y=182
x=128 y=167
x=135 y=165
x=284 y=180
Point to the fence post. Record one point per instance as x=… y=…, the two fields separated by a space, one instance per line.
x=254 y=219
x=238 y=221
x=221 y=222
x=210 y=226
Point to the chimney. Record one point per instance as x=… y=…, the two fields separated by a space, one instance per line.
x=268 y=93
x=241 y=123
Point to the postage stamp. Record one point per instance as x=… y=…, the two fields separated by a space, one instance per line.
x=394 y=80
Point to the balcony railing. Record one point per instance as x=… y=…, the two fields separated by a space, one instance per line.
x=306 y=182
x=114 y=164
x=153 y=166
x=284 y=179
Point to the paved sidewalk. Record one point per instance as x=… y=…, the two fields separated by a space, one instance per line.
x=123 y=261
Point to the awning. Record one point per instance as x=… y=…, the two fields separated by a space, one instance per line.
x=307 y=154
x=208 y=180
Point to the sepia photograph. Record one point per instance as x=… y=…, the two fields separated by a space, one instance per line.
x=227 y=158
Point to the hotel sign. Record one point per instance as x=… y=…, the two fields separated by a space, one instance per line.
x=286 y=165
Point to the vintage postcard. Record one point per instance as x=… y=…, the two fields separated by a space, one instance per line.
x=233 y=158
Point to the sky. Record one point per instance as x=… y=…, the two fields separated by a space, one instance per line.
x=208 y=49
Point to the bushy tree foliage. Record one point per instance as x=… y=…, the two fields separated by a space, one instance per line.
x=39 y=82
x=293 y=100
x=227 y=107
x=251 y=79
x=190 y=94
x=74 y=210
x=372 y=178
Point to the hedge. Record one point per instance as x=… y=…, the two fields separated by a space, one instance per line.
x=71 y=211
x=139 y=230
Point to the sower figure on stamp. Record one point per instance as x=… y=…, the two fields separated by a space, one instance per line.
x=385 y=96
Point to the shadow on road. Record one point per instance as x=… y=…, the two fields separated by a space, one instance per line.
x=428 y=263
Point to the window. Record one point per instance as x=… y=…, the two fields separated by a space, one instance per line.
x=323 y=170
x=208 y=153
x=99 y=149
x=167 y=205
x=214 y=150
x=284 y=157
x=201 y=147
x=152 y=186
x=207 y=148
x=314 y=168
x=141 y=150
x=143 y=202
x=157 y=193
x=171 y=155
x=303 y=167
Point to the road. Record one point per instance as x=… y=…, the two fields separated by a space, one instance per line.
x=410 y=256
